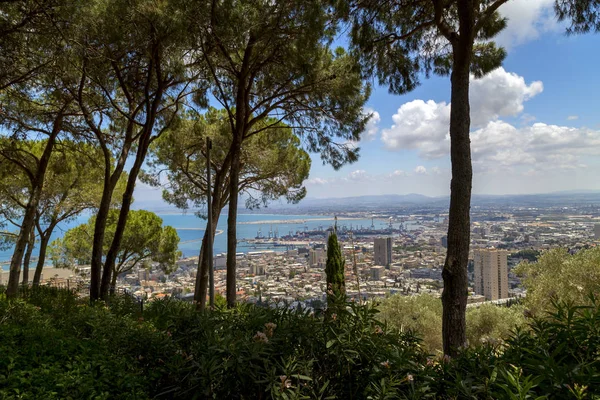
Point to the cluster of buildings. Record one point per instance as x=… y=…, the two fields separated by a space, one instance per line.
x=377 y=265
x=374 y=267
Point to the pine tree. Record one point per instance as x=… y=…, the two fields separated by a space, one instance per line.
x=334 y=269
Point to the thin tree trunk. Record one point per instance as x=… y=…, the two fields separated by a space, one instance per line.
x=454 y=296
x=44 y=240
x=12 y=288
x=113 y=283
x=218 y=202
x=98 y=241
x=111 y=255
x=110 y=183
x=27 y=258
x=201 y=289
x=232 y=220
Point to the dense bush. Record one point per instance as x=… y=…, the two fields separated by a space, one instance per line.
x=423 y=315
x=54 y=345
x=254 y=352
x=561 y=276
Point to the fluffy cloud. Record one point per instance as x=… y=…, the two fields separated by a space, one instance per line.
x=539 y=146
x=358 y=175
x=397 y=173
x=500 y=94
x=317 y=181
x=424 y=125
x=419 y=124
x=527 y=20
x=495 y=144
x=420 y=170
x=372 y=126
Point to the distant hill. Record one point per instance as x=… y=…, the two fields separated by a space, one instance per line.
x=386 y=199
x=412 y=200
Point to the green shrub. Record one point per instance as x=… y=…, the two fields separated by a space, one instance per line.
x=65 y=348
x=561 y=276
x=490 y=323
x=423 y=315
x=420 y=314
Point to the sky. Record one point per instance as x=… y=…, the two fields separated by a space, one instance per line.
x=535 y=122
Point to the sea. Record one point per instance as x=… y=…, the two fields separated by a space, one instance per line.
x=191 y=229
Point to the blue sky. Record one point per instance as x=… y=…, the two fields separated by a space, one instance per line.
x=536 y=122
x=542 y=134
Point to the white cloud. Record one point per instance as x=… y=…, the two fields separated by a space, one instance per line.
x=420 y=170
x=421 y=125
x=397 y=173
x=539 y=146
x=358 y=175
x=372 y=126
x=495 y=144
x=500 y=94
x=572 y=117
x=317 y=181
x=527 y=20
x=424 y=125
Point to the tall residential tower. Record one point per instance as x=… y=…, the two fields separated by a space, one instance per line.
x=383 y=251
x=491 y=273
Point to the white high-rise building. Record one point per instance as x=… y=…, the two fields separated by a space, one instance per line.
x=382 y=249
x=317 y=258
x=491 y=273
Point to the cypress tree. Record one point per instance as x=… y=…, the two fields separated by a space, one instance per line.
x=334 y=269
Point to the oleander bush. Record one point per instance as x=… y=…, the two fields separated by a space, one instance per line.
x=56 y=346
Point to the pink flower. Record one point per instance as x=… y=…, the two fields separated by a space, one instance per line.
x=378 y=330
x=270 y=328
x=260 y=337
x=386 y=364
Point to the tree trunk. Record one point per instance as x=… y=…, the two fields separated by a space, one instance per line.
x=111 y=255
x=110 y=183
x=201 y=288
x=12 y=288
x=113 y=283
x=234 y=177
x=98 y=240
x=202 y=272
x=454 y=296
x=27 y=258
x=44 y=240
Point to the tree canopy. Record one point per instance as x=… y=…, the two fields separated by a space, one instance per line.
x=145 y=240
x=131 y=60
x=273 y=59
x=583 y=16
x=273 y=164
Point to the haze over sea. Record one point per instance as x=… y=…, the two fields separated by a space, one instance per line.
x=191 y=228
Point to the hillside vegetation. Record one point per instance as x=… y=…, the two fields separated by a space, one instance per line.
x=55 y=346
